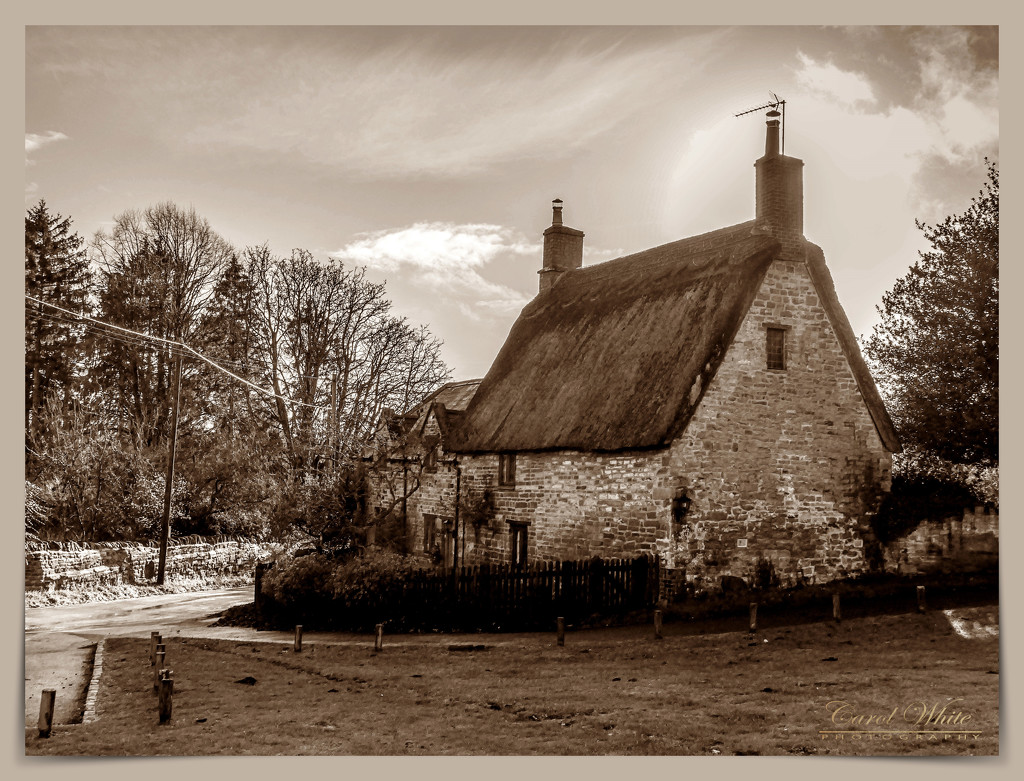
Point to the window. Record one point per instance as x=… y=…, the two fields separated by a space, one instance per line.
x=430 y=460
x=776 y=348
x=447 y=543
x=429 y=532
x=519 y=539
x=506 y=469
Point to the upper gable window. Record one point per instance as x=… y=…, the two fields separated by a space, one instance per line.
x=430 y=459
x=506 y=469
x=776 y=348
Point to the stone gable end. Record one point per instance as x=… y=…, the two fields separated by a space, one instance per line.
x=781 y=464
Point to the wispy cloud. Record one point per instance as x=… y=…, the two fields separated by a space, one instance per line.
x=826 y=79
x=36 y=141
x=406 y=110
x=447 y=260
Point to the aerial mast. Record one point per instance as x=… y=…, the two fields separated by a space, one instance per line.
x=774 y=105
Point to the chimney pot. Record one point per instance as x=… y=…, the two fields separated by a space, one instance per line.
x=771 y=139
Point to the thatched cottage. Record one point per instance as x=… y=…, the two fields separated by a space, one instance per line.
x=704 y=400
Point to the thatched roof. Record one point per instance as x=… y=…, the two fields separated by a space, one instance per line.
x=617 y=356
x=826 y=290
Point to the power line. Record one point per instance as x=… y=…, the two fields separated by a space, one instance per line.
x=171 y=343
x=93 y=329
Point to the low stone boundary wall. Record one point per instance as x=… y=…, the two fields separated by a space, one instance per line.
x=972 y=538
x=68 y=565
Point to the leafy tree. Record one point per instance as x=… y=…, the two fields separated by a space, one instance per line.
x=56 y=271
x=936 y=350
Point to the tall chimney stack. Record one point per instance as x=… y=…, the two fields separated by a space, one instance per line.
x=563 y=249
x=780 y=187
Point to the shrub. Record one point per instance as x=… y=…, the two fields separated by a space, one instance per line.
x=301 y=586
x=765 y=577
x=368 y=588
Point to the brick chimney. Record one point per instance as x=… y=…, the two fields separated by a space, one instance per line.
x=780 y=187
x=563 y=249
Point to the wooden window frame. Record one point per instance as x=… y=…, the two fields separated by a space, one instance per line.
x=429 y=532
x=507 y=469
x=776 y=355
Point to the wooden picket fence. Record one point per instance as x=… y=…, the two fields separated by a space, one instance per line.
x=506 y=597
x=493 y=597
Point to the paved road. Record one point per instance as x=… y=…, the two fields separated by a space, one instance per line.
x=59 y=641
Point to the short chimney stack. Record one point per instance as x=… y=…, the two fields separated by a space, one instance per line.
x=563 y=249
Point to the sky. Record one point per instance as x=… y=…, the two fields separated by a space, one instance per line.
x=431 y=155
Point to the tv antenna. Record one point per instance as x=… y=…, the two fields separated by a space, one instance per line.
x=773 y=104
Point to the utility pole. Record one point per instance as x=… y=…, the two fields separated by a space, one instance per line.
x=332 y=434
x=165 y=528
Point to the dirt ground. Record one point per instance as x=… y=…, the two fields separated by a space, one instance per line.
x=881 y=685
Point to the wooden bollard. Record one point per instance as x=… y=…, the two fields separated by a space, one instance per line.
x=836 y=614
x=154 y=641
x=46 y=712
x=753 y=617
x=298 y=638
x=657 y=625
x=160 y=656
x=561 y=630
x=378 y=642
x=921 y=606
x=166 y=691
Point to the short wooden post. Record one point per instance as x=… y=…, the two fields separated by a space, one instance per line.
x=298 y=638
x=753 y=617
x=154 y=641
x=561 y=630
x=657 y=625
x=46 y=712
x=160 y=655
x=166 y=691
x=378 y=642
x=836 y=614
x=921 y=606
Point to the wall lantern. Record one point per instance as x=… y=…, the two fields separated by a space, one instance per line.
x=680 y=506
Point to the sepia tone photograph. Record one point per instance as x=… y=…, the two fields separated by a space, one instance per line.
x=511 y=391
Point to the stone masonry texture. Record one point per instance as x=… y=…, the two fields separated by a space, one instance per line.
x=72 y=565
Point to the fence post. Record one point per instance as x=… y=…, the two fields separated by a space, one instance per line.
x=166 y=690
x=921 y=605
x=298 y=638
x=657 y=625
x=753 y=617
x=160 y=656
x=46 y=712
x=836 y=615
x=154 y=641
x=378 y=642
x=561 y=630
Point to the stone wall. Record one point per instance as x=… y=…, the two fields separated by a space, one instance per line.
x=781 y=464
x=970 y=540
x=80 y=565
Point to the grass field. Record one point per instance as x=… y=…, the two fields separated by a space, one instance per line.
x=608 y=691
